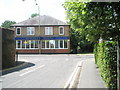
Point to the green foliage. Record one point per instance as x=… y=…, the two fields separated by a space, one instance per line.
x=106 y=59
x=94 y=19
x=34 y=15
x=79 y=42
x=7 y=23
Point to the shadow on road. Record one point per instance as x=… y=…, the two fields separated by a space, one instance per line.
x=20 y=66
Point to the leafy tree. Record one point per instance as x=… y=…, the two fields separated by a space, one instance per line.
x=34 y=15
x=94 y=19
x=79 y=43
x=7 y=23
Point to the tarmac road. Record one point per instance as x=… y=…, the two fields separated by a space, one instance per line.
x=44 y=71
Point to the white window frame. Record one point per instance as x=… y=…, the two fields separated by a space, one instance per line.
x=17 y=44
x=64 y=44
x=16 y=30
x=59 y=30
x=25 y=44
x=48 y=30
x=54 y=45
x=29 y=31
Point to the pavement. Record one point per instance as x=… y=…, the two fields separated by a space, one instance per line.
x=90 y=75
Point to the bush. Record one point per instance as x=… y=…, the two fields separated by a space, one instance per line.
x=106 y=60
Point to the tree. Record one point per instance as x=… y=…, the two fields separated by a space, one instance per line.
x=94 y=19
x=34 y=15
x=7 y=23
x=78 y=42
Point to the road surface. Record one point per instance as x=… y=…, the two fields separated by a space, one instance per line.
x=45 y=71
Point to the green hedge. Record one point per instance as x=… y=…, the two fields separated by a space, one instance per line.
x=106 y=60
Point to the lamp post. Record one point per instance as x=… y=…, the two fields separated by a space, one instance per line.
x=39 y=27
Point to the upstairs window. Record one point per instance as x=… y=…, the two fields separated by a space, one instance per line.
x=48 y=30
x=61 y=30
x=18 y=31
x=30 y=30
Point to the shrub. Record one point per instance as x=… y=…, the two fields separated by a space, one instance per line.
x=106 y=60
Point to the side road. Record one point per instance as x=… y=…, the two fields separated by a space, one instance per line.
x=90 y=75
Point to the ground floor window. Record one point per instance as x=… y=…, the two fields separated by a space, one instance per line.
x=26 y=44
x=45 y=44
x=54 y=44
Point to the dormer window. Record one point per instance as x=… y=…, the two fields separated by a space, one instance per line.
x=61 y=30
x=18 y=31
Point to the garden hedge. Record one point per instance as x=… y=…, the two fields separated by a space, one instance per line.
x=106 y=60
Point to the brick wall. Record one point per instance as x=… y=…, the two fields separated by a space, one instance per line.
x=55 y=50
x=8 y=48
x=45 y=51
x=42 y=31
x=28 y=51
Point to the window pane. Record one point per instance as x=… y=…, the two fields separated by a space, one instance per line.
x=43 y=44
x=18 y=44
x=32 y=43
x=52 y=43
x=48 y=31
x=51 y=31
x=65 y=43
x=36 y=44
x=47 y=43
x=30 y=30
x=56 y=43
x=61 y=30
x=18 y=30
x=27 y=43
x=23 y=43
x=61 y=43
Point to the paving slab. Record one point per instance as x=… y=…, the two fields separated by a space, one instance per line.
x=90 y=76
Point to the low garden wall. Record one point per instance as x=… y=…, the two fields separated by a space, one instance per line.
x=8 y=48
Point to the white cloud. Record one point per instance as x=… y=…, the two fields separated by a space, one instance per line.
x=19 y=10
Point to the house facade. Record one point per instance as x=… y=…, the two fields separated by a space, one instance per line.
x=48 y=35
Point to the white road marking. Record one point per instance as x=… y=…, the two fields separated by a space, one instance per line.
x=31 y=70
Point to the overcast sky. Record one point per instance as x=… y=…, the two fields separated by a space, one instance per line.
x=19 y=10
